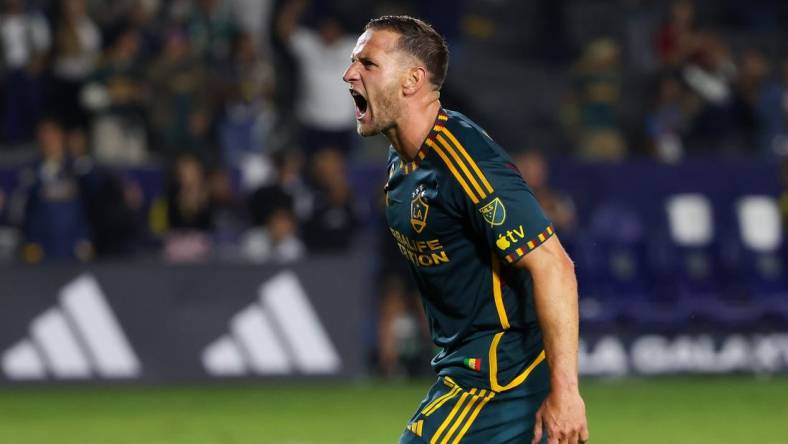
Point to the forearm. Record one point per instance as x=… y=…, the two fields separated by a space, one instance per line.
x=289 y=16
x=555 y=296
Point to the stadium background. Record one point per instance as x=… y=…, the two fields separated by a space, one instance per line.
x=180 y=181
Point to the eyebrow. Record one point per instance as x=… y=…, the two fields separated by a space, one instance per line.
x=362 y=59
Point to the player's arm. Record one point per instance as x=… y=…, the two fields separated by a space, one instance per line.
x=562 y=415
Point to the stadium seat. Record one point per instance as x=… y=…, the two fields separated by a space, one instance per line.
x=761 y=254
x=693 y=263
x=614 y=270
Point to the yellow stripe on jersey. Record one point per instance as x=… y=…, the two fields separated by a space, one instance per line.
x=464 y=168
x=453 y=393
x=462 y=416
x=473 y=416
x=437 y=403
x=453 y=170
x=465 y=154
x=493 y=356
x=449 y=418
x=497 y=293
x=442 y=117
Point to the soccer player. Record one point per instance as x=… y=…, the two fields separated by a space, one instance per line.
x=498 y=289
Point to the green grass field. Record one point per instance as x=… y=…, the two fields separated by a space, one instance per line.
x=685 y=410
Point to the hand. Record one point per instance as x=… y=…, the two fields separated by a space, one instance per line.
x=563 y=414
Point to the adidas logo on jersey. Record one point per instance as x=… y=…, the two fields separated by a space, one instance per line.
x=79 y=338
x=278 y=334
x=416 y=427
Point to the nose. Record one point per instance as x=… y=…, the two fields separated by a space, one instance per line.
x=351 y=73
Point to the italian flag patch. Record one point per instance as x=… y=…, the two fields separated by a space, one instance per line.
x=473 y=363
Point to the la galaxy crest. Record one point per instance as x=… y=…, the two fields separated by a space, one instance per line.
x=419 y=208
x=494 y=212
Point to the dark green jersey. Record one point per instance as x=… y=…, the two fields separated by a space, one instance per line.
x=461 y=215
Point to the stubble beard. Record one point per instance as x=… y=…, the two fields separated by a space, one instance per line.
x=387 y=111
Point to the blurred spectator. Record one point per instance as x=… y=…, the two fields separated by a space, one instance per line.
x=54 y=224
x=709 y=74
x=286 y=187
x=276 y=209
x=188 y=199
x=558 y=207
x=78 y=149
x=24 y=42
x=325 y=112
x=667 y=124
x=748 y=89
x=116 y=94
x=773 y=115
x=113 y=203
x=181 y=83
x=592 y=114
x=249 y=111
x=229 y=214
x=185 y=217
x=9 y=235
x=143 y=15
x=273 y=238
x=209 y=25
x=335 y=219
x=254 y=17
x=76 y=50
x=675 y=38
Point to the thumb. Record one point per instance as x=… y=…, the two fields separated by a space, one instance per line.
x=537 y=427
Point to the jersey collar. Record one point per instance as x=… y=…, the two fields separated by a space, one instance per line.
x=440 y=120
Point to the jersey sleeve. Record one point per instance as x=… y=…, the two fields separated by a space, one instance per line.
x=501 y=207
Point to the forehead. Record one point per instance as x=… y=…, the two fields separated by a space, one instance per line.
x=376 y=42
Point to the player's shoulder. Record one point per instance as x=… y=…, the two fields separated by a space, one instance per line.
x=461 y=143
x=470 y=162
x=464 y=135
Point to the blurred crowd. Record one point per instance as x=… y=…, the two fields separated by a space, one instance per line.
x=708 y=91
x=221 y=129
x=237 y=102
x=240 y=103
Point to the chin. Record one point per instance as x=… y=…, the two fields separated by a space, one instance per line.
x=366 y=131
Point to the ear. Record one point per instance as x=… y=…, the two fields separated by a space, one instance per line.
x=415 y=80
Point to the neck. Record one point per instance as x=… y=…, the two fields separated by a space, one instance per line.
x=413 y=127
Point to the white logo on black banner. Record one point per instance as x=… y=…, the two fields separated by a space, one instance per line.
x=77 y=339
x=279 y=334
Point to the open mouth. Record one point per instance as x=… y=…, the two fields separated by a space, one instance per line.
x=361 y=103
